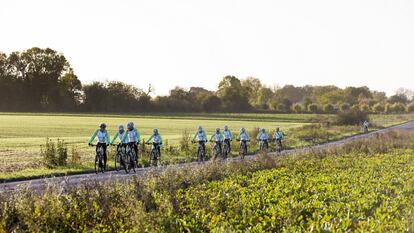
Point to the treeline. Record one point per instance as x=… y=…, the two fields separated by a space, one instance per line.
x=43 y=80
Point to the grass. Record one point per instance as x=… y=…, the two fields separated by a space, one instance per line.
x=21 y=134
x=362 y=186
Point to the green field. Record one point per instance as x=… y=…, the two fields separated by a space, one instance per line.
x=21 y=134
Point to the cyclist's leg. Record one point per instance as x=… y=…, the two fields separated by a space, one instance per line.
x=159 y=151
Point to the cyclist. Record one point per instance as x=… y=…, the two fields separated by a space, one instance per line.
x=132 y=137
x=263 y=137
x=156 y=140
x=218 y=139
x=279 y=135
x=201 y=137
x=243 y=137
x=103 y=140
x=119 y=135
x=227 y=137
x=365 y=125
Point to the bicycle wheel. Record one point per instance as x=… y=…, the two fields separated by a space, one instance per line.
x=126 y=163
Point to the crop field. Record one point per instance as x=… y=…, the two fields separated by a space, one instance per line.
x=22 y=134
x=362 y=186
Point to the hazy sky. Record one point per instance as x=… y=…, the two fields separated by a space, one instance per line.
x=196 y=43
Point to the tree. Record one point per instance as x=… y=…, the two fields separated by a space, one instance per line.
x=410 y=108
x=252 y=88
x=282 y=108
x=398 y=108
x=297 y=108
x=233 y=96
x=344 y=107
x=378 y=108
x=313 y=108
x=328 y=108
x=398 y=98
x=365 y=108
x=212 y=103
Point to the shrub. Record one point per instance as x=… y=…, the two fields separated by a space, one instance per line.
x=410 y=108
x=344 y=107
x=75 y=155
x=54 y=154
x=389 y=108
x=297 y=108
x=313 y=108
x=351 y=117
x=328 y=108
x=365 y=108
x=378 y=108
x=355 y=108
x=398 y=108
x=281 y=108
x=185 y=142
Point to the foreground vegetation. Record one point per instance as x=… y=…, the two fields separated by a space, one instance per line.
x=364 y=185
x=22 y=135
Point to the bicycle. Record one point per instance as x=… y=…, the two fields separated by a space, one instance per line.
x=217 y=149
x=201 y=154
x=243 y=148
x=132 y=157
x=264 y=145
x=99 y=166
x=154 y=154
x=121 y=158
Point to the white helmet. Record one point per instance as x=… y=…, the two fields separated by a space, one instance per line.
x=120 y=127
x=130 y=125
x=155 y=131
x=226 y=127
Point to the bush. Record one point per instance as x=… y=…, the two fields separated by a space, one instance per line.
x=378 y=108
x=365 y=108
x=313 y=108
x=185 y=143
x=297 y=108
x=344 y=107
x=328 y=108
x=54 y=154
x=389 y=108
x=398 y=108
x=281 y=108
x=75 y=155
x=351 y=117
x=410 y=108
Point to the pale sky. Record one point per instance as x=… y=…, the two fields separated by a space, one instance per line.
x=195 y=43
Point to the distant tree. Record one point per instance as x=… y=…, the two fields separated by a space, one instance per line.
x=410 y=108
x=389 y=108
x=398 y=108
x=328 y=108
x=398 y=98
x=344 y=107
x=212 y=103
x=232 y=94
x=313 y=108
x=378 y=108
x=282 y=107
x=297 y=108
x=365 y=108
